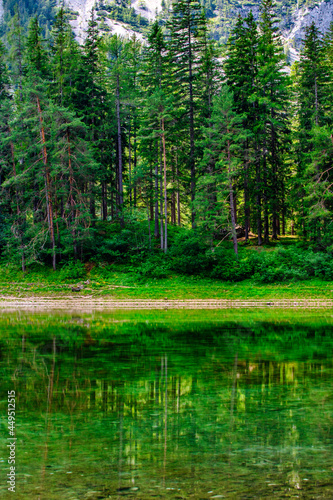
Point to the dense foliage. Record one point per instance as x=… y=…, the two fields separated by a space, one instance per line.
x=45 y=10
x=105 y=147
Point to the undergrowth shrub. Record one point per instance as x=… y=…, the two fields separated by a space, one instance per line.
x=227 y=267
x=155 y=267
x=291 y=264
x=73 y=270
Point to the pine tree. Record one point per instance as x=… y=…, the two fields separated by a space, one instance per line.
x=6 y=159
x=135 y=62
x=118 y=53
x=37 y=56
x=312 y=93
x=53 y=163
x=88 y=98
x=273 y=117
x=186 y=47
x=241 y=68
x=314 y=139
x=153 y=82
x=16 y=41
x=224 y=141
x=65 y=58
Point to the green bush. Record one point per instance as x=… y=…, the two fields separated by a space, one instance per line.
x=72 y=271
x=155 y=267
x=227 y=266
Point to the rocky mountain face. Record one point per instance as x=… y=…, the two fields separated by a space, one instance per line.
x=320 y=13
x=292 y=21
x=118 y=16
x=110 y=14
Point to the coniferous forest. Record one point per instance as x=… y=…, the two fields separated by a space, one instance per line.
x=174 y=153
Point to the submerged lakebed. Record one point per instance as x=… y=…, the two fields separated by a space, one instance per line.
x=169 y=404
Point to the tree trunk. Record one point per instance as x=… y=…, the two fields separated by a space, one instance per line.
x=192 y=159
x=149 y=230
x=130 y=164
x=246 y=194
x=120 y=156
x=165 y=191
x=71 y=197
x=173 y=208
x=135 y=159
x=19 y=220
x=49 y=207
x=92 y=201
x=104 y=201
x=161 y=195
x=156 y=227
x=258 y=199
x=178 y=194
x=232 y=203
x=151 y=194
x=275 y=196
x=235 y=203
x=265 y=198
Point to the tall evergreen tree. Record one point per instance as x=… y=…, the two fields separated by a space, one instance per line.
x=186 y=46
x=153 y=83
x=273 y=117
x=224 y=144
x=314 y=140
x=118 y=55
x=16 y=41
x=37 y=56
x=6 y=151
x=65 y=58
x=241 y=68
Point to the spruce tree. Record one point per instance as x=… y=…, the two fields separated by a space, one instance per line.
x=7 y=165
x=16 y=42
x=314 y=139
x=273 y=126
x=65 y=58
x=153 y=83
x=118 y=54
x=37 y=56
x=311 y=86
x=186 y=46
x=89 y=100
x=224 y=143
x=241 y=68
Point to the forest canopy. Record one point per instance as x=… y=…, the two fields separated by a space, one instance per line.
x=119 y=149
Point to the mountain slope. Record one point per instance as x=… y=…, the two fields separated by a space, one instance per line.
x=128 y=17
x=293 y=15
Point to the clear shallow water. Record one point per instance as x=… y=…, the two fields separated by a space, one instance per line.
x=169 y=405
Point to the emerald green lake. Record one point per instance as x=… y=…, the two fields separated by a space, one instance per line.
x=169 y=405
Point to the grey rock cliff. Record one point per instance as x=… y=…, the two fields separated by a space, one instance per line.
x=321 y=13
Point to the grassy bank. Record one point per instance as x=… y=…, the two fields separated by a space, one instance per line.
x=287 y=269
x=121 y=286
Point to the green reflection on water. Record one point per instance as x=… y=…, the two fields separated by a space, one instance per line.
x=169 y=404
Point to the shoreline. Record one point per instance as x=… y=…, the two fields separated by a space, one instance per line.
x=12 y=303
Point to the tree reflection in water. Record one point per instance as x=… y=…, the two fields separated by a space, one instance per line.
x=174 y=409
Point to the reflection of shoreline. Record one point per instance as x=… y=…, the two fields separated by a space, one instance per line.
x=243 y=408
x=87 y=304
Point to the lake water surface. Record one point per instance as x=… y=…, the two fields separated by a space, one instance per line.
x=169 y=405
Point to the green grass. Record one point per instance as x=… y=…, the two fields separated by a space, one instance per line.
x=121 y=285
